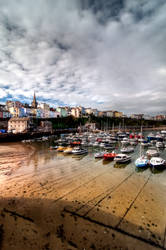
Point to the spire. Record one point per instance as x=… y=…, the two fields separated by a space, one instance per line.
x=34 y=103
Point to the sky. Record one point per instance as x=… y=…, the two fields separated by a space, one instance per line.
x=107 y=54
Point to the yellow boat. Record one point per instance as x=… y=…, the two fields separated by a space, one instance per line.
x=68 y=150
x=60 y=149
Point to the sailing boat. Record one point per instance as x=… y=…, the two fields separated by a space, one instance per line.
x=143 y=160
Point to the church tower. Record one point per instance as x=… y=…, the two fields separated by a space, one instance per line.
x=34 y=103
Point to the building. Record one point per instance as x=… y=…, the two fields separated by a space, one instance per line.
x=89 y=111
x=17 y=111
x=34 y=102
x=95 y=112
x=160 y=117
x=19 y=125
x=102 y=113
x=45 y=126
x=118 y=114
x=4 y=113
x=15 y=104
x=62 y=111
x=76 y=112
x=137 y=116
x=110 y=113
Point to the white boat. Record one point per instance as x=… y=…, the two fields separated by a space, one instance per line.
x=144 y=144
x=125 y=143
x=100 y=154
x=157 y=162
x=79 y=151
x=152 y=152
x=96 y=144
x=133 y=143
x=108 y=146
x=160 y=144
x=127 y=150
x=122 y=158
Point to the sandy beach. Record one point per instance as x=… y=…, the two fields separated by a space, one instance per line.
x=51 y=201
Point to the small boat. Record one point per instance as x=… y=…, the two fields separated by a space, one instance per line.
x=160 y=144
x=60 y=149
x=152 y=152
x=79 y=151
x=133 y=143
x=108 y=146
x=142 y=162
x=68 y=150
x=102 y=144
x=157 y=162
x=151 y=136
x=109 y=156
x=145 y=143
x=122 y=158
x=99 y=155
x=53 y=147
x=75 y=143
x=96 y=144
x=125 y=143
x=127 y=150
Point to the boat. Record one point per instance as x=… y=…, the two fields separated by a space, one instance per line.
x=108 y=146
x=100 y=155
x=160 y=144
x=60 y=149
x=151 y=136
x=79 y=151
x=125 y=143
x=127 y=150
x=145 y=143
x=68 y=150
x=152 y=152
x=122 y=158
x=133 y=143
x=157 y=162
x=142 y=162
x=109 y=156
x=53 y=147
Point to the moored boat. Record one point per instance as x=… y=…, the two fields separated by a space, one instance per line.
x=142 y=162
x=160 y=144
x=157 y=162
x=109 y=156
x=122 y=158
x=60 y=149
x=79 y=151
x=152 y=152
x=127 y=150
x=100 y=155
x=68 y=150
x=53 y=147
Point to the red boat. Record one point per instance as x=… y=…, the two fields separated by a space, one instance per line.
x=109 y=156
x=75 y=143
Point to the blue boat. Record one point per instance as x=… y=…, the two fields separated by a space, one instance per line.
x=142 y=162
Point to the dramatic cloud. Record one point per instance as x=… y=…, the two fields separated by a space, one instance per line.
x=104 y=54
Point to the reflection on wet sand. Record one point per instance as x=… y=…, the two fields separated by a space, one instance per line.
x=52 y=201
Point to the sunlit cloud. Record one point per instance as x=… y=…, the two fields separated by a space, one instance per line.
x=109 y=55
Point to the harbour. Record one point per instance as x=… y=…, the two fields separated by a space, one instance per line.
x=50 y=200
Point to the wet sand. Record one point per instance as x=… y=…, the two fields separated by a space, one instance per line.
x=51 y=201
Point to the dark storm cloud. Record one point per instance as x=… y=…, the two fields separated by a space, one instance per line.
x=105 y=54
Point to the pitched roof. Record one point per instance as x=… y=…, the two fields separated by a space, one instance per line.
x=19 y=119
